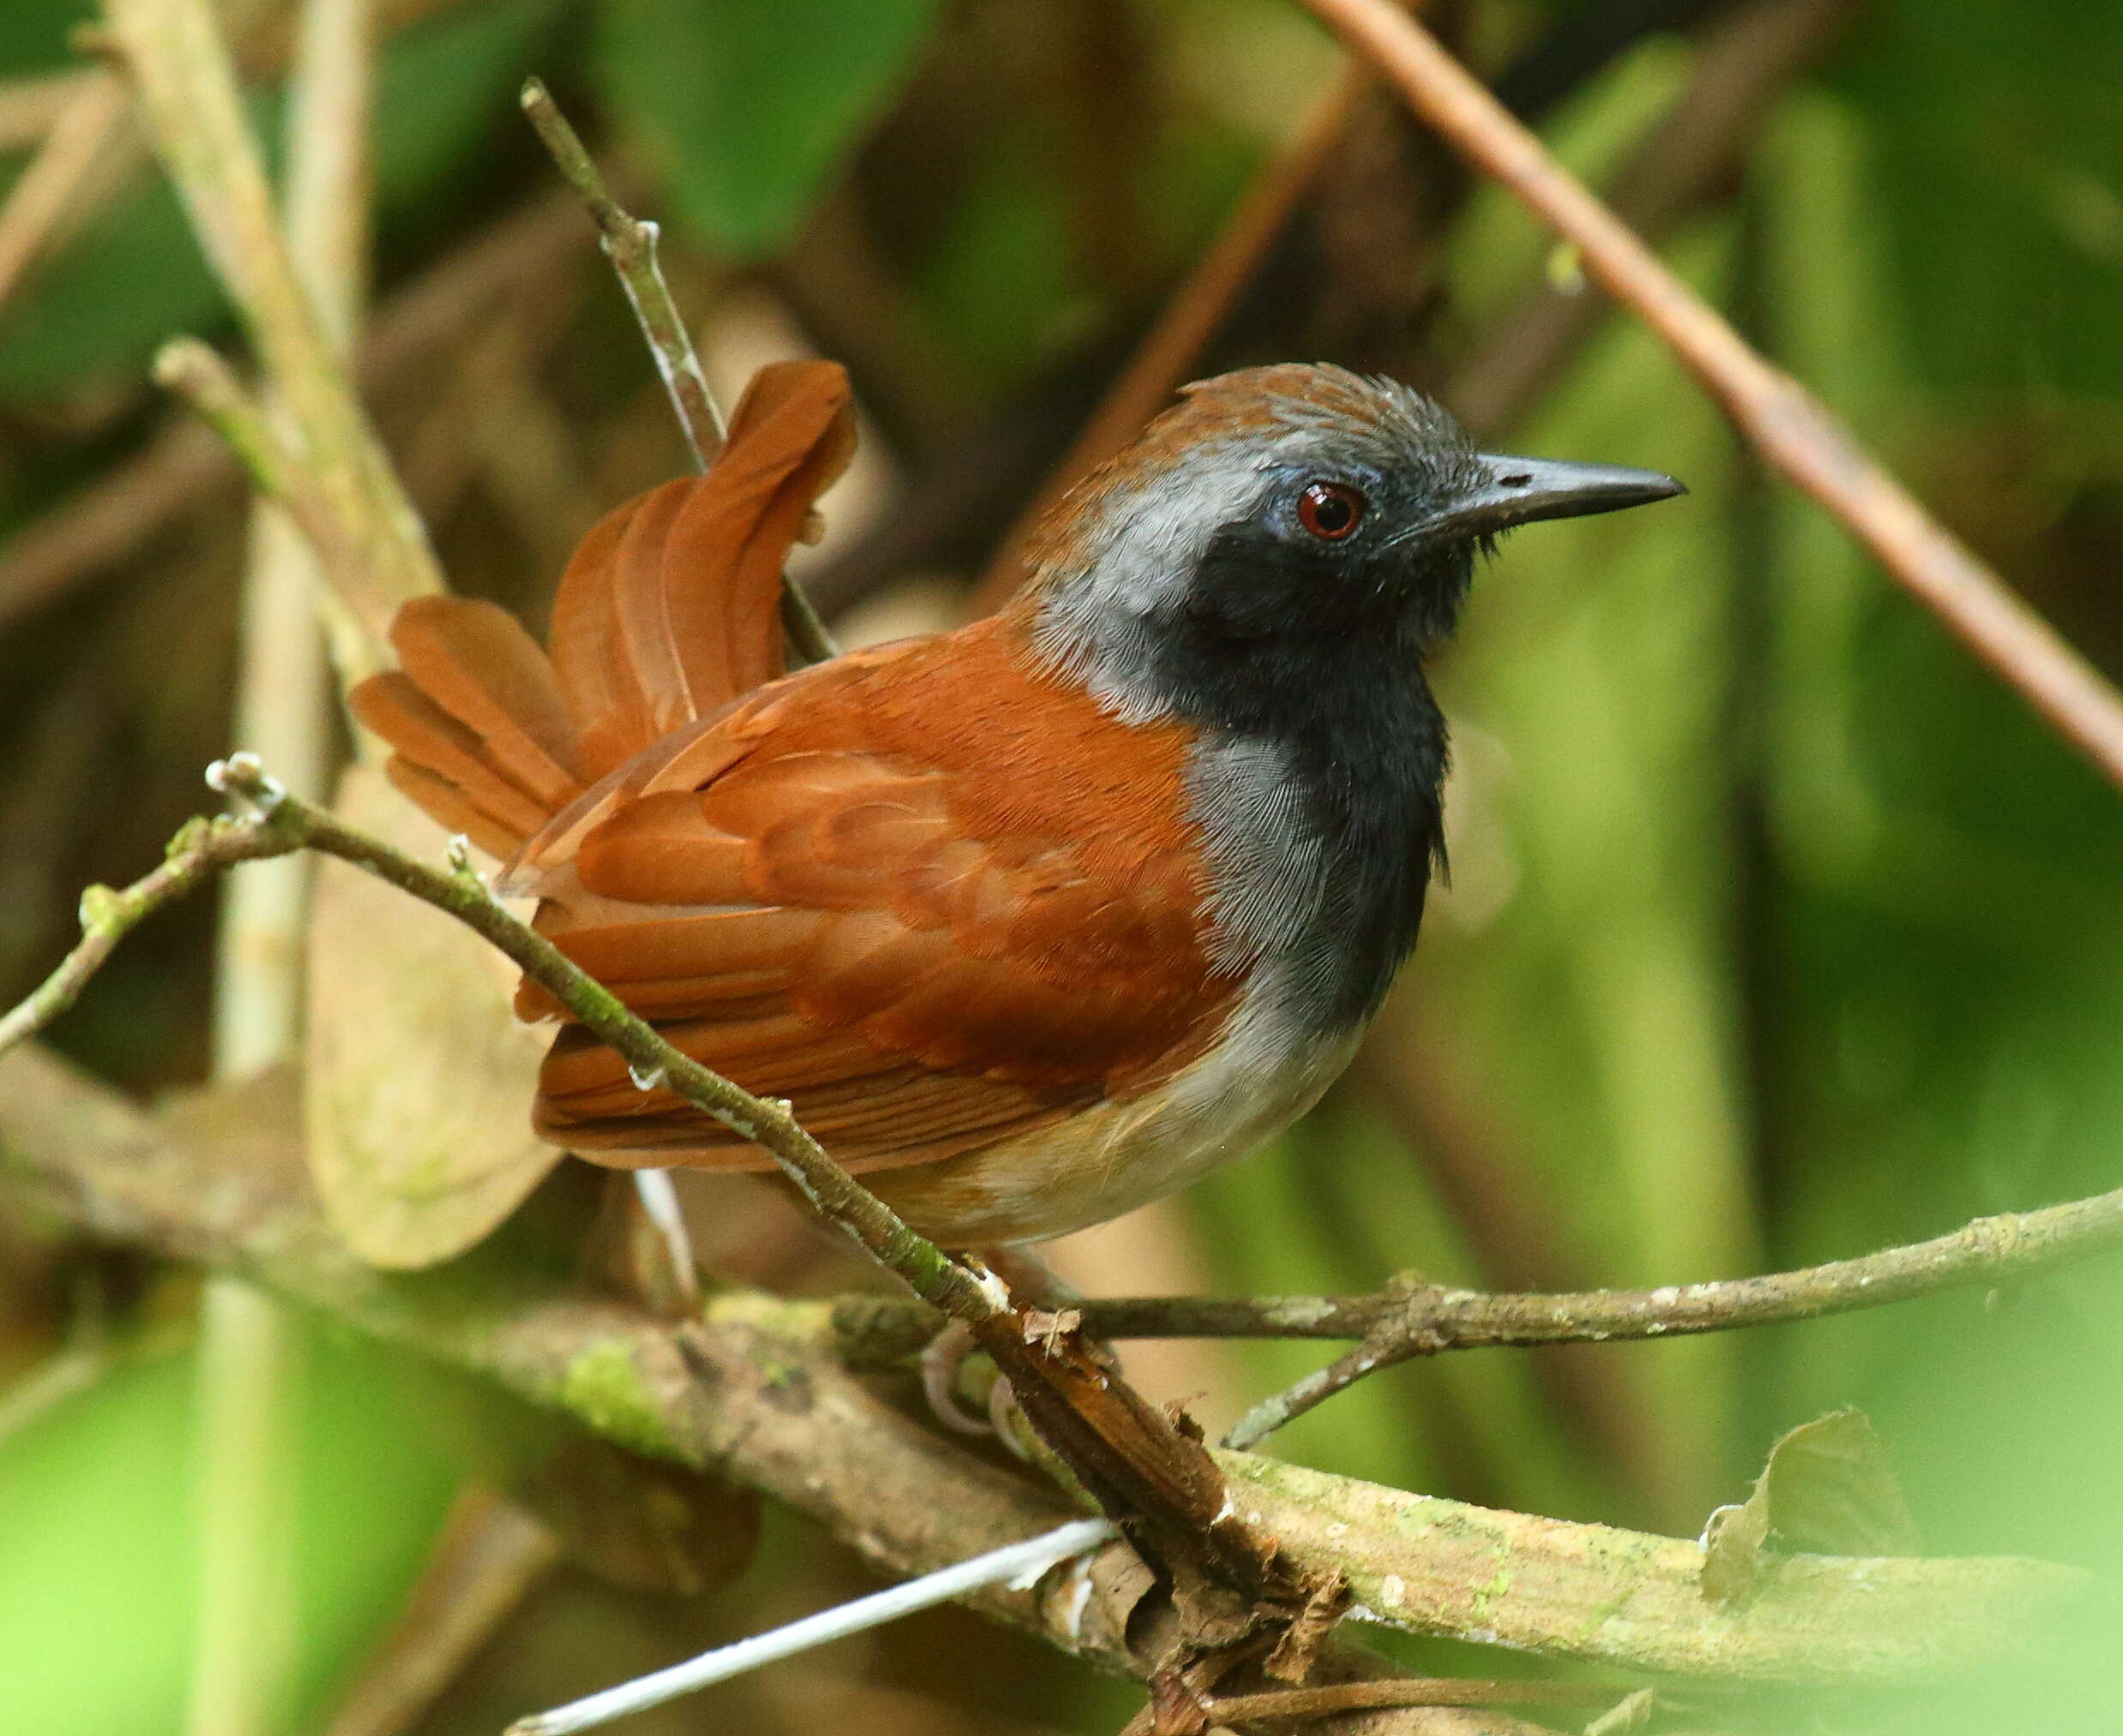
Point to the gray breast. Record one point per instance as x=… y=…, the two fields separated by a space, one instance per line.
x=1269 y=907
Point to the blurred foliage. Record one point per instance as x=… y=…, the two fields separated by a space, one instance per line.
x=1780 y=931
x=748 y=105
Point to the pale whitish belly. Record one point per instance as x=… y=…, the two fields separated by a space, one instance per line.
x=1114 y=1158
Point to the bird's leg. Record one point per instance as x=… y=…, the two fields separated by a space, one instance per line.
x=639 y=1245
x=659 y=1202
x=942 y=1359
x=1034 y=1285
x=1032 y=1282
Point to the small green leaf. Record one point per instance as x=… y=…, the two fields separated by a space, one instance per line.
x=746 y=104
x=1827 y=1489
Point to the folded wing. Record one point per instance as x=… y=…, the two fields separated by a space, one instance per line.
x=845 y=918
x=931 y=898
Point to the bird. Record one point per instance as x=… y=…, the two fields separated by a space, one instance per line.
x=1033 y=921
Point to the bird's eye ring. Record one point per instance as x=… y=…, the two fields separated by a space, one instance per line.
x=1330 y=510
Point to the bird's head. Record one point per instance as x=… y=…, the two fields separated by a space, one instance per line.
x=1289 y=505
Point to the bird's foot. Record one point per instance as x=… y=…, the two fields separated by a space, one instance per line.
x=942 y=1360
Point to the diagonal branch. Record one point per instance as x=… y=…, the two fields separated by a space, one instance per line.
x=1157 y=1482
x=61 y=178
x=176 y=56
x=756 y=1391
x=1791 y=429
x=1742 y=65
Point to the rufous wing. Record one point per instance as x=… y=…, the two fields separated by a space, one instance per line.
x=831 y=923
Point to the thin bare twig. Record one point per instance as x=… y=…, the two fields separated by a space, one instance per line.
x=2007 y=1248
x=1014 y=1564
x=203 y=849
x=630 y=243
x=1424 y=1319
x=1792 y=430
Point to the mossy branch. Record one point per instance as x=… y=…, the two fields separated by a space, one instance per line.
x=785 y=1415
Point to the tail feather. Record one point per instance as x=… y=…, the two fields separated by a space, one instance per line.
x=651 y=669
x=475 y=661
x=668 y=612
x=601 y=693
x=434 y=752
x=792 y=436
x=450 y=808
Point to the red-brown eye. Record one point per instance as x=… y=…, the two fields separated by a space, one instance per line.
x=1330 y=510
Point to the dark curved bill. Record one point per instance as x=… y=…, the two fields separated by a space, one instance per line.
x=1519 y=491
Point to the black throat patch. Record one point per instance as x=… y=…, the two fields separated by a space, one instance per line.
x=1330 y=705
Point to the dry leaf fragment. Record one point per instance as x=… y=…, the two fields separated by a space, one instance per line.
x=1828 y=1489
x=419 y=1079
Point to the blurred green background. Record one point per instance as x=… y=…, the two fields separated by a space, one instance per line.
x=1778 y=931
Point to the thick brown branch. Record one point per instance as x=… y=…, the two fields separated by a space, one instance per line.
x=759 y=1395
x=1792 y=430
x=1156 y=1481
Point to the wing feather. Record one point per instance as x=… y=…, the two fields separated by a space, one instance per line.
x=918 y=968
x=474 y=661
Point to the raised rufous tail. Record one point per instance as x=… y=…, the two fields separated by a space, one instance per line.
x=669 y=611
